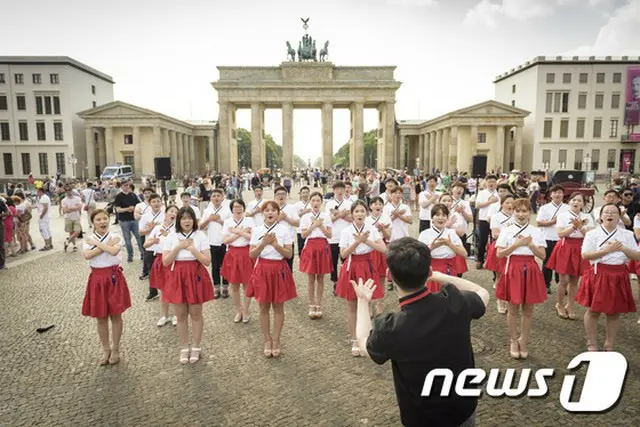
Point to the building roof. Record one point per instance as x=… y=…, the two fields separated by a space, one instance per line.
x=565 y=60
x=55 y=60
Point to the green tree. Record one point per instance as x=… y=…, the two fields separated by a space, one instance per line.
x=342 y=157
x=273 y=151
x=299 y=163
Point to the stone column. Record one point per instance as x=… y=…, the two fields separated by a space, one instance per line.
x=287 y=137
x=517 y=156
x=357 y=128
x=424 y=151
x=453 y=148
x=110 y=148
x=157 y=142
x=438 y=157
x=256 y=137
x=137 y=152
x=212 y=153
x=185 y=158
x=173 y=151
x=166 y=143
x=473 y=140
x=327 y=135
x=179 y=154
x=389 y=135
x=192 y=153
x=499 y=148
x=224 y=134
x=432 y=151
x=91 y=153
x=445 y=149
x=464 y=154
x=427 y=153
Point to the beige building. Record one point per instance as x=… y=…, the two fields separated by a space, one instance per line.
x=490 y=129
x=121 y=133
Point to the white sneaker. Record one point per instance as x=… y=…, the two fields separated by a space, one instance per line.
x=638 y=321
x=163 y=320
x=174 y=320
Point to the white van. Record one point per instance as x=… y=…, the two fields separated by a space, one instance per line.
x=118 y=172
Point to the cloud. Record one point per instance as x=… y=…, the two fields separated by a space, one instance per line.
x=489 y=13
x=413 y=3
x=618 y=36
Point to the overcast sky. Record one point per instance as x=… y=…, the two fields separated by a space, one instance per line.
x=163 y=54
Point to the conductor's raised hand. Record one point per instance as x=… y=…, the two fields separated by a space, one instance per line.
x=364 y=290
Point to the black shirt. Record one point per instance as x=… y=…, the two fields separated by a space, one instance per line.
x=125 y=201
x=430 y=331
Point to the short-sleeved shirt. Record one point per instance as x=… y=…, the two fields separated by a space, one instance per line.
x=256 y=205
x=126 y=201
x=484 y=196
x=150 y=217
x=564 y=221
x=291 y=212
x=347 y=238
x=431 y=331
x=466 y=206
x=42 y=202
x=105 y=259
x=509 y=234
x=423 y=197
x=399 y=228
x=596 y=218
x=382 y=219
x=89 y=196
x=308 y=218
x=300 y=207
x=214 y=229
x=230 y=223
x=442 y=252
x=549 y=212
x=162 y=232
x=143 y=208
x=72 y=202
x=195 y=210
x=340 y=224
x=283 y=237
x=500 y=220
x=200 y=242
x=598 y=237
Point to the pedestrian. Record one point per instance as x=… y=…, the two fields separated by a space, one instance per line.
x=546 y=220
x=484 y=200
x=187 y=284
x=382 y=223
x=72 y=210
x=427 y=200
x=254 y=209
x=125 y=205
x=302 y=207
x=415 y=349
x=153 y=217
x=89 y=200
x=315 y=260
x=212 y=222
x=339 y=208
x=522 y=283
x=107 y=294
x=271 y=282
x=288 y=218
x=44 y=218
x=400 y=215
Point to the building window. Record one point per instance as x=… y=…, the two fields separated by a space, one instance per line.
x=513 y=88
x=2 y=80
x=597 y=128
x=95 y=104
x=5 y=135
x=546 y=157
x=128 y=160
x=26 y=163
x=566 y=78
x=599 y=101
x=21 y=102
x=36 y=78
x=617 y=77
x=565 y=102
x=548 y=128
x=60 y=164
x=128 y=139
x=8 y=164
x=41 y=131
x=611 y=158
x=577 y=163
x=57 y=131
x=19 y=79
x=564 y=128
x=513 y=102
x=613 y=128
x=56 y=105
x=582 y=101
x=55 y=79
x=43 y=160
x=615 y=101
x=551 y=78
x=580 y=128
x=482 y=138
x=595 y=159
x=562 y=158
x=3 y=102
x=93 y=89
x=23 y=128
x=39 y=107
x=560 y=101
x=600 y=78
x=47 y=105
x=584 y=77
x=549 y=103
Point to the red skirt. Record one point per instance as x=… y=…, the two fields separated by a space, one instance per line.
x=634 y=267
x=237 y=265
x=441 y=265
x=354 y=268
x=316 y=257
x=606 y=289
x=380 y=263
x=523 y=283
x=493 y=263
x=107 y=293
x=158 y=273
x=566 y=258
x=460 y=263
x=188 y=282
x=271 y=282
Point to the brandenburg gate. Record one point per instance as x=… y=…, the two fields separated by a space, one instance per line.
x=306 y=83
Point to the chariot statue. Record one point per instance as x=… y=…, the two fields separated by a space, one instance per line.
x=307 y=50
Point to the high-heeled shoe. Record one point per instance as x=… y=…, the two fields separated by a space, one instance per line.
x=562 y=312
x=312 y=312
x=570 y=314
x=318 y=312
x=276 y=352
x=514 y=349
x=523 y=354
x=184 y=356
x=267 y=350
x=355 y=348
x=195 y=355
x=592 y=347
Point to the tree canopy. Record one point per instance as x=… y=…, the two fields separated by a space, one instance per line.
x=273 y=151
x=342 y=157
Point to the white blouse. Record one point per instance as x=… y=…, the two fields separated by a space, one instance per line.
x=550 y=212
x=230 y=223
x=283 y=237
x=200 y=242
x=500 y=220
x=442 y=252
x=466 y=206
x=509 y=234
x=597 y=238
x=339 y=224
x=347 y=238
x=399 y=228
x=149 y=217
x=564 y=221
x=104 y=259
x=382 y=219
x=214 y=229
x=308 y=218
x=163 y=233
x=291 y=212
x=301 y=206
x=256 y=205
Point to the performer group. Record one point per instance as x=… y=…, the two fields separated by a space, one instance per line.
x=249 y=250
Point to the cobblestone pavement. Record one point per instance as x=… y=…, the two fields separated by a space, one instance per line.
x=52 y=378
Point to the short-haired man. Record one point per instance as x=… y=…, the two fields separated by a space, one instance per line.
x=431 y=331
x=254 y=208
x=213 y=219
x=463 y=207
x=427 y=199
x=288 y=216
x=484 y=200
x=340 y=210
x=125 y=204
x=72 y=210
x=302 y=206
x=546 y=221
x=44 y=218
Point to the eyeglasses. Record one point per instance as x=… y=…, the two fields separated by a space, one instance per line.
x=628 y=194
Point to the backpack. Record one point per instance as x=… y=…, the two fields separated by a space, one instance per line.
x=25 y=216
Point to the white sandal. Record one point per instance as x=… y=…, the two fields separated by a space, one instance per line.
x=355 y=348
x=195 y=355
x=184 y=356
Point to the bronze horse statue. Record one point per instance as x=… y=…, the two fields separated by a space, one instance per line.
x=291 y=53
x=324 y=52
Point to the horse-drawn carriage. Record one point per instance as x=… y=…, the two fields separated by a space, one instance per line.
x=572 y=181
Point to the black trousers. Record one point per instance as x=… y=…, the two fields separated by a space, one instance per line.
x=335 y=255
x=217 y=257
x=548 y=274
x=483 y=237
x=147 y=261
x=293 y=252
x=146 y=269
x=424 y=224
x=300 y=245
